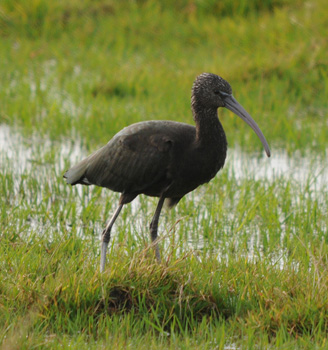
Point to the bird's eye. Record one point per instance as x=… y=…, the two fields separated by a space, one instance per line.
x=221 y=93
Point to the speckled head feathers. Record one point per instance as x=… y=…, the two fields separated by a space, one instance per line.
x=208 y=89
x=210 y=81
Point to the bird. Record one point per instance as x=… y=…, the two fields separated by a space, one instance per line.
x=164 y=158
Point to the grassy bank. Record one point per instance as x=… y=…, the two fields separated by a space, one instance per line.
x=245 y=257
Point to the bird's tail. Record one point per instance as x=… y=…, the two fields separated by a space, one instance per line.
x=75 y=175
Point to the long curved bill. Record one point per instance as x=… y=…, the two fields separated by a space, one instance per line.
x=234 y=106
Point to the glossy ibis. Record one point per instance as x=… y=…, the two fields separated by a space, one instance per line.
x=164 y=159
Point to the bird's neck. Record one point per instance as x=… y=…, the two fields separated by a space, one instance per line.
x=209 y=130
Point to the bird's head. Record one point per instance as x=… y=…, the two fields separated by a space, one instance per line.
x=210 y=91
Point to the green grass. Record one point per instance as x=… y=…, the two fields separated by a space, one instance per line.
x=245 y=257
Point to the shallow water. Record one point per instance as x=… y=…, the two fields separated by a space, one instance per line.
x=43 y=160
x=305 y=170
x=21 y=153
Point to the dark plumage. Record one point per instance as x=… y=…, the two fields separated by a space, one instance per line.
x=165 y=159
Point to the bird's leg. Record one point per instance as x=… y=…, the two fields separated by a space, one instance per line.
x=106 y=237
x=154 y=227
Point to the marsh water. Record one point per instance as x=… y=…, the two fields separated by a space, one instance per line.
x=21 y=152
x=44 y=160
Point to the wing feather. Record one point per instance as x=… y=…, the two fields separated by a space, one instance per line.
x=134 y=160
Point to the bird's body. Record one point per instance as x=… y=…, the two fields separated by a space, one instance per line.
x=165 y=159
x=153 y=158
